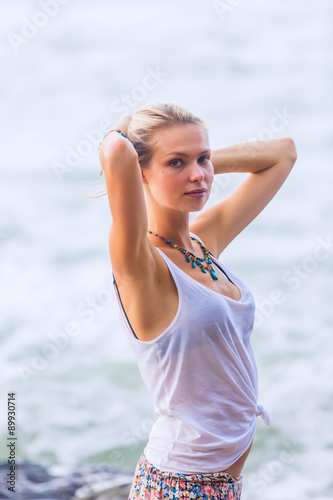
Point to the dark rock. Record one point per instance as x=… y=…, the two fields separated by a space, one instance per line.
x=81 y=482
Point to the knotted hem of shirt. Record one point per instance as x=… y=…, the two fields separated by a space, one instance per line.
x=263 y=414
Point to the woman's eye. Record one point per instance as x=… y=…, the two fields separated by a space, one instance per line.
x=202 y=159
x=175 y=163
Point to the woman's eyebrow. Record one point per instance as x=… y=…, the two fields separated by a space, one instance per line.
x=185 y=154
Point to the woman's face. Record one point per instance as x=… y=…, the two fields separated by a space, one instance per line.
x=180 y=164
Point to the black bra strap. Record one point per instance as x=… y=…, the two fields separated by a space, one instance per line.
x=225 y=274
x=115 y=283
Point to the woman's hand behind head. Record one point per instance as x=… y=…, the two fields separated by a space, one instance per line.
x=115 y=148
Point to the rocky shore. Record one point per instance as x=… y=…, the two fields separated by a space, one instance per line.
x=32 y=481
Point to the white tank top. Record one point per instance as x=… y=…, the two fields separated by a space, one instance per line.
x=202 y=376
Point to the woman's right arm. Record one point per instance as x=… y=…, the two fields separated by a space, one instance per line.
x=128 y=242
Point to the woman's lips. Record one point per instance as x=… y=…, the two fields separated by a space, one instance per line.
x=196 y=194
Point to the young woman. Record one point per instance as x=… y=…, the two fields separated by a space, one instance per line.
x=187 y=317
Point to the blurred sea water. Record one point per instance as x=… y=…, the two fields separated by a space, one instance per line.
x=252 y=70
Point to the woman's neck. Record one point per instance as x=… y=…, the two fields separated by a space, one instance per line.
x=178 y=234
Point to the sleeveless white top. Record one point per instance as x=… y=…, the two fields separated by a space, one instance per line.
x=202 y=376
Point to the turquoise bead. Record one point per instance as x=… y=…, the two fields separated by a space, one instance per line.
x=191 y=257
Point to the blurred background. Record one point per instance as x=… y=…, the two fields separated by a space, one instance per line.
x=252 y=69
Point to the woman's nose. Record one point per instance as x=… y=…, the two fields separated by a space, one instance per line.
x=196 y=172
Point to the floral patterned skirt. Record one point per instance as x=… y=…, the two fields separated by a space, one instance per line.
x=151 y=483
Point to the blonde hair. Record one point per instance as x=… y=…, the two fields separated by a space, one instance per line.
x=141 y=126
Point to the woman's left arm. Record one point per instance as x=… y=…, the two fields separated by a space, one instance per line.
x=269 y=163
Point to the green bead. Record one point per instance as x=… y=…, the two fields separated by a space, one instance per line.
x=188 y=259
x=203 y=270
x=210 y=261
x=214 y=275
x=194 y=264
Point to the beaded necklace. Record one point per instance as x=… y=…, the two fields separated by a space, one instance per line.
x=190 y=257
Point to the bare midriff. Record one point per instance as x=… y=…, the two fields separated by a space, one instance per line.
x=236 y=468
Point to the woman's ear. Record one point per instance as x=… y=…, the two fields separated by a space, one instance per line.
x=143 y=176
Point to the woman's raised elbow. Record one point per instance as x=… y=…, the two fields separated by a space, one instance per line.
x=115 y=150
x=289 y=149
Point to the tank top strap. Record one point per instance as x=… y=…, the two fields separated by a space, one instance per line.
x=196 y=236
x=173 y=268
x=176 y=275
x=215 y=258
